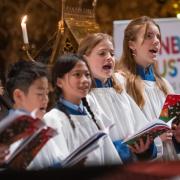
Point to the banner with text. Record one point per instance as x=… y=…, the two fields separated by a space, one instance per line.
x=169 y=56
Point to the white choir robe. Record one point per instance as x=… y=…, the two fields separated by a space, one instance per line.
x=48 y=157
x=55 y=150
x=154 y=100
x=84 y=128
x=120 y=109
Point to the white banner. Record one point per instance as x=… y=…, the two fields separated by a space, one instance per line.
x=169 y=57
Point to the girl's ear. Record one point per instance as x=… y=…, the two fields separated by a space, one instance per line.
x=131 y=45
x=59 y=82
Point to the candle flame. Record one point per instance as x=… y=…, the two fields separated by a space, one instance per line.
x=24 y=19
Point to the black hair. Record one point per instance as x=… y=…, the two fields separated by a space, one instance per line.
x=22 y=74
x=63 y=109
x=86 y=104
x=63 y=65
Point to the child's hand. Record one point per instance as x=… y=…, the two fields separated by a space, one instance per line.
x=141 y=146
x=4 y=151
x=166 y=136
x=176 y=132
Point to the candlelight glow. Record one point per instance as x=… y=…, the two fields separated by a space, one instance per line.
x=24 y=19
x=24 y=30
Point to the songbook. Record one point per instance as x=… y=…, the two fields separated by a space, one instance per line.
x=171 y=108
x=29 y=148
x=152 y=129
x=25 y=135
x=88 y=146
x=83 y=150
x=170 y=113
x=17 y=125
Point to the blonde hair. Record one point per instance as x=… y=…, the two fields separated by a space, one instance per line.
x=89 y=43
x=127 y=64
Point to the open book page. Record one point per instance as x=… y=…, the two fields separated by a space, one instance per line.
x=152 y=129
x=29 y=147
x=17 y=125
x=171 y=108
x=82 y=151
x=170 y=113
x=88 y=146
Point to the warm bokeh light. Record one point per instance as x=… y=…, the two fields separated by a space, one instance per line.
x=178 y=15
x=175 y=5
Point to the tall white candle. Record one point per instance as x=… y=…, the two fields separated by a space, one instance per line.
x=24 y=30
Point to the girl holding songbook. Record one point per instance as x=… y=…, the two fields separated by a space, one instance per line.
x=138 y=67
x=72 y=114
x=108 y=93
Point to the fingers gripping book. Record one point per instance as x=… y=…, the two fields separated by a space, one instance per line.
x=170 y=113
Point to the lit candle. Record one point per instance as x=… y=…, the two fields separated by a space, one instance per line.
x=24 y=30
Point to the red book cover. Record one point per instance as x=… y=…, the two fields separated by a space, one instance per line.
x=20 y=127
x=30 y=148
x=171 y=108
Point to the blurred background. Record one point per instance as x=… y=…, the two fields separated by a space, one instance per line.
x=79 y=16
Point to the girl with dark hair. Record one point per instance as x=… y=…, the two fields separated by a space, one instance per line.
x=72 y=114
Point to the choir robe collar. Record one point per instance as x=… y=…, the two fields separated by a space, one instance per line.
x=72 y=108
x=100 y=84
x=11 y=111
x=145 y=73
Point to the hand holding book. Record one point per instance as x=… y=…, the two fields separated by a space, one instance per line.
x=152 y=129
x=170 y=114
x=141 y=146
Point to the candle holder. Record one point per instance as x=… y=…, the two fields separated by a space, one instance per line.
x=26 y=48
x=59 y=35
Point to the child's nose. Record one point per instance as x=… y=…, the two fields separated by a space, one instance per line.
x=45 y=98
x=109 y=56
x=156 y=40
x=84 y=78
